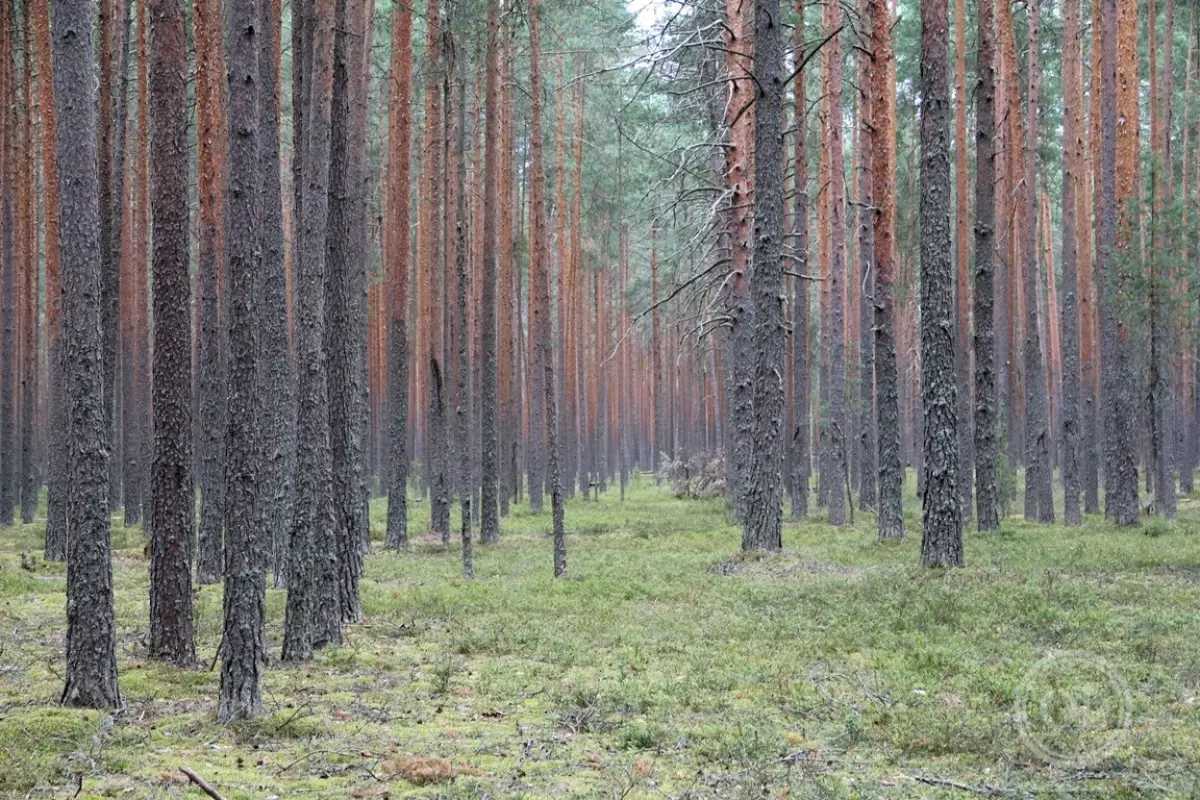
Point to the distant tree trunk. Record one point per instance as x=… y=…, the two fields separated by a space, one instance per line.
x=399 y=146
x=463 y=292
x=869 y=447
x=891 y=472
x=312 y=608
x=345 y=291
x=1072 y=165
x=8 y=264
x=1039 y=467
x=539 y=315
x=276 y=372
x=941 y=541
x=764 y=493
x=962 y=257
x=244 y=650
x=540 y=269
x=489 y=531
x=835 y=427
x=657 y=384
x=91 y=679
x=171 y=491
x=1091 y=257
x=210 y=373
x=801 y=457
x=987 y=502
x=110 y=239
x=31 y=283
x=56 y=439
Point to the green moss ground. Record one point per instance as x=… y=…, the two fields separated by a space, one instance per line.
x=662 y=667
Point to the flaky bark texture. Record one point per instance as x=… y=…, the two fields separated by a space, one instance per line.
x=1039 y=467
x=941 y=540
x=171 y=492
x=399 y=144
x=91 y=679
x=539 y=315
x=891 y=474
x=345 y=289
x=312 y=609
x=764 y=494
x=489 y=516
x=243 y=651
x=1072 y=165
x=8 y=264
x=801 y=456
x=987 y=504
x=276 y=372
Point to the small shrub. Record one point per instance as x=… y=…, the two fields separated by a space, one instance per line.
x=699 y=477
x=1156 y=527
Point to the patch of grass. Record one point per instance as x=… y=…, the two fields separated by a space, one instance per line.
x=665 y=664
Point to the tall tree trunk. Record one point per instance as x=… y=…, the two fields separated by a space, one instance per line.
x=801 y=457
x=986 y=500
x=312 y=607
x=835 y=426
x=1072 y=165
x=869 y=447
x=276 y=372
x=764 y=494
x=1118 y=98
x=345 y=290
x=244 y=649
x=891 y=472
x=56 y=439
x=210 y=374
x=540 y=269
x=8 y=265
x=171 y=490
x=30 y=285
x=91 y=679
x=489 y=521
x=110 y=240
x=941 y=541
x=962 y=257
x=399 y=147
x=1039 y=468
x=739 y=177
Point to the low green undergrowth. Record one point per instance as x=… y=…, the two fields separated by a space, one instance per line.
x=664 y=665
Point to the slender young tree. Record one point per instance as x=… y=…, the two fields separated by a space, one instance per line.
x=91 y=679
x=986 y=500
x=399 y=147
x=941 y=540
x=891 y=473
x=244 y=651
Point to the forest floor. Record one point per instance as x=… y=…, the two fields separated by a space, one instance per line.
x=1057 y=663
